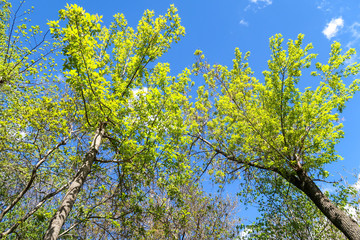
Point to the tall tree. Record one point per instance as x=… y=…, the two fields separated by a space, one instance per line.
x=30 y=122
x=251 y=127
x=103 y=67
x=107 y=118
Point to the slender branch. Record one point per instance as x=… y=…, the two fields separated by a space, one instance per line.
x=12 y=30
x=252 y=125
x=23 y=219
x=207 y=165
x=140 y=65
x=32 y=178
x=69 y=229
x=322 y=180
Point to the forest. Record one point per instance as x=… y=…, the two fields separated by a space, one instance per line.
x=99 y=141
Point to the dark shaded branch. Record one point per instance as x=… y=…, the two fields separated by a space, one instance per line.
x=32 y=178
x=23 y=219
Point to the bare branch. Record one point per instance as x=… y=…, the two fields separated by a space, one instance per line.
x=32 y=178
x=23 y=219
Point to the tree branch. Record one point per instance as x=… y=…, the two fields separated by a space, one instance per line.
x=32 y=178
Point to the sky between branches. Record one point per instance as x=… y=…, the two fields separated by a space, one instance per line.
x=217 y=27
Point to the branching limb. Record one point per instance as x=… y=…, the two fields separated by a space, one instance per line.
x=24 y=218
x=32 y=178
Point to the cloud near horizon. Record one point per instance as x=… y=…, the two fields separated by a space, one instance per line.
x=333 y=27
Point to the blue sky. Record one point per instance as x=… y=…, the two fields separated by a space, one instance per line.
x=217 y=27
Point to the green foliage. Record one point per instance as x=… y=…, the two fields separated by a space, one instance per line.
x=286 y=213
x=106 y=68
x=141 y=185
x=47 y=123
x=274 y=124
x=274 y=133
x=51 y=116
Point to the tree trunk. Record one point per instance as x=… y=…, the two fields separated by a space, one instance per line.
x=348 y=226
x=68 y=201
x=338 y=217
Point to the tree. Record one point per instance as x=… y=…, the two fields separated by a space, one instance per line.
x=102 y=147
x=102 y=66
x=23 y=49
x=196 y=216
x=28 y=119
x=251 y=127
x=108 y=95
x=108 y=128
x=286 y=213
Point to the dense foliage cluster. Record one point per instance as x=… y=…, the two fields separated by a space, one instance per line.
x=99 y=141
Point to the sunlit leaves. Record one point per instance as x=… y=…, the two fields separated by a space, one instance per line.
x=108 y=71
x=105 y=77
x=275 y=122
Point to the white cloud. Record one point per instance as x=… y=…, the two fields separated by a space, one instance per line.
x=355 y=34
x=323 y=5
x=357 y=184
x=267 y=2
x=333 y=27
x=354 y=210
x=243 y=22
x=138 y=91
x=257 y=4
x=60 y=77
x=244 y=234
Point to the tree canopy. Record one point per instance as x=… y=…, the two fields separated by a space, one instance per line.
x=100 y=141
x=251 y=127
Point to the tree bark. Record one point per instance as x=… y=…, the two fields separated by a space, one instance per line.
x=338 y=217
x=348 y=226
x=68 y=201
